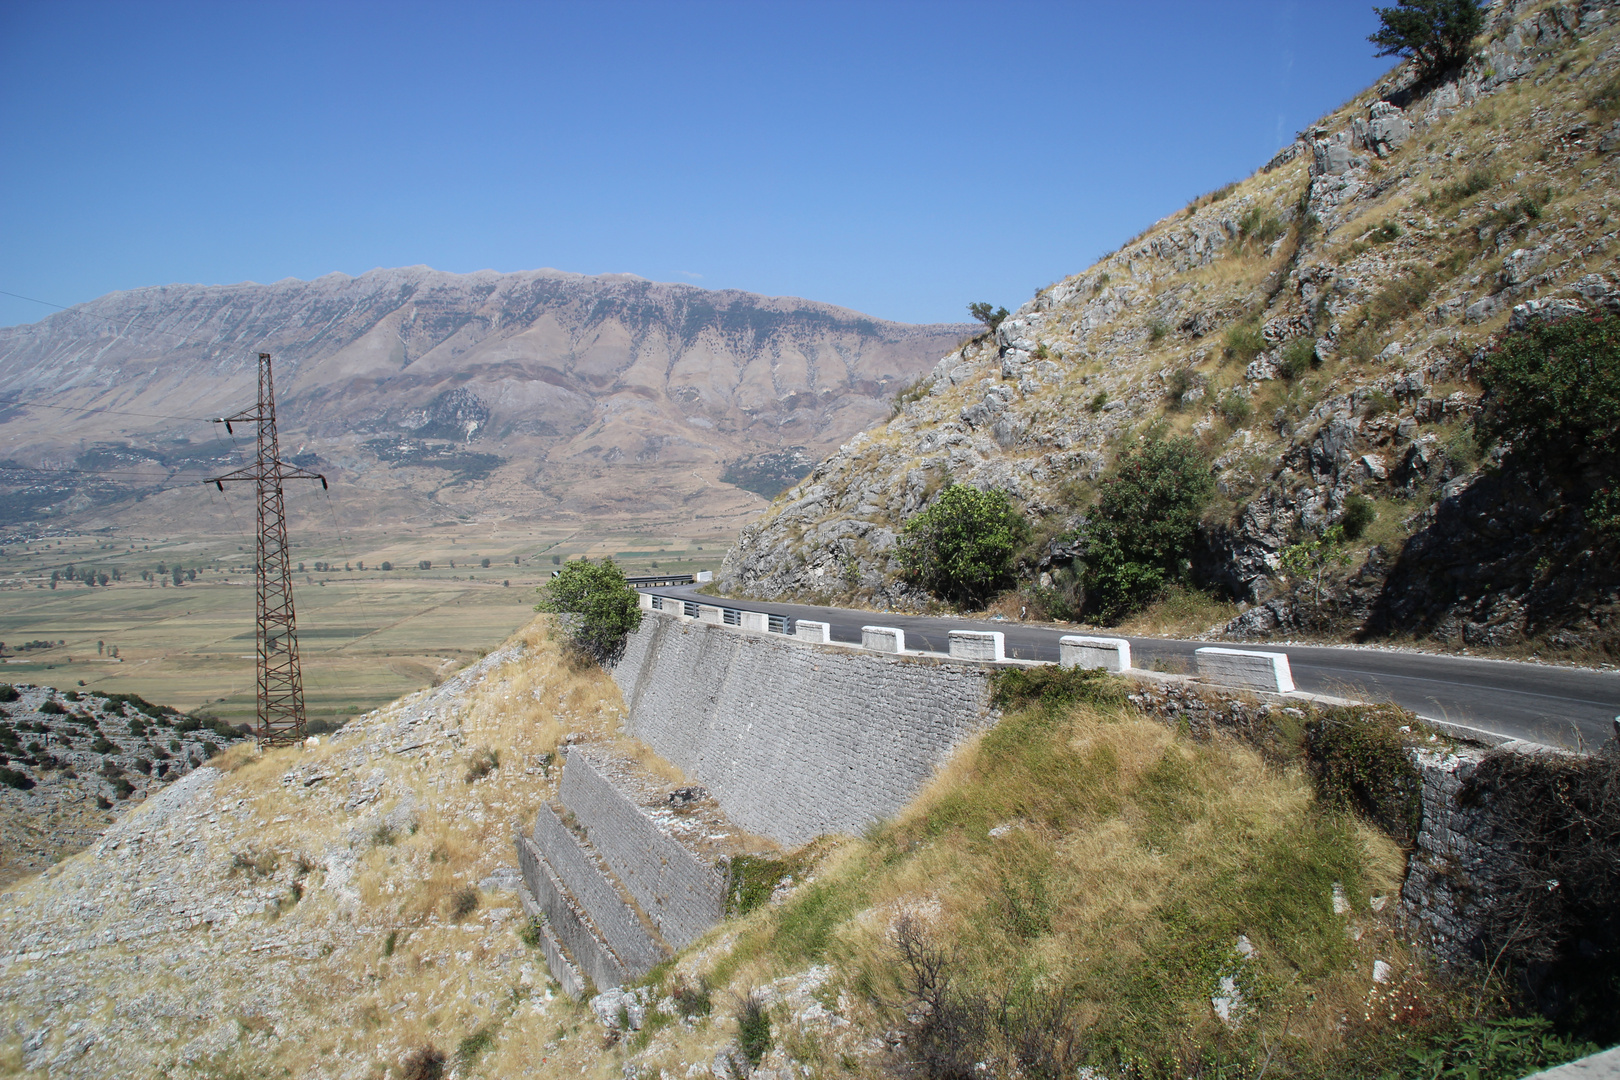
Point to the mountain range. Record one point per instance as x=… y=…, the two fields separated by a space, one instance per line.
x=425 y=392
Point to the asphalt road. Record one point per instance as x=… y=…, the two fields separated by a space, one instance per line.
x=1543 y=703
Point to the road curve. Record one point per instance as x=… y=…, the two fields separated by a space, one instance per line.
x=1542 y=703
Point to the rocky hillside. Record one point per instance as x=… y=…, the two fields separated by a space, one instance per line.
x=515 y=393
x=70 y=759
x=1317 y=329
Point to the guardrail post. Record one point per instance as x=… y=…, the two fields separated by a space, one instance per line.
x=988 y=645
x=889 y=639
x=817 y=632
x=708 y=613
x=1245 y=669
x=756 y=620
x=646 y=600
x=1108 y=653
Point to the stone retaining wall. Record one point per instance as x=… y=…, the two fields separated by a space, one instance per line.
x=566 y=922
x=681 y=896
x=614 y=919
x=795 y=740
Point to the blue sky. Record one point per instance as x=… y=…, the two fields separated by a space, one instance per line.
x=903 y=159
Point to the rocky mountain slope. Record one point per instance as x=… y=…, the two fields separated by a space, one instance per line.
x=69 y=759
x=1317 y=329
x=509 y=393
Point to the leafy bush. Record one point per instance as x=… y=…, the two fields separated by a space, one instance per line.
x=1260 y=226
x=1157 y=329
x=962 y=546
x=1176 y=386
x=52 y=707
x=1359 y=759
x=1359 y=513
x=1479 y=178
x=1098 y=400
x=475 y=1044
x=8 y=692
x=608 y=608
x=1436 y=35
x=1554 y=389
x=1139 y=537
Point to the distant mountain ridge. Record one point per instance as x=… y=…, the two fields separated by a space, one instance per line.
x=551 y=376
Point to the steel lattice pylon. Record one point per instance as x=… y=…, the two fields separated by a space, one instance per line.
x=281 y=685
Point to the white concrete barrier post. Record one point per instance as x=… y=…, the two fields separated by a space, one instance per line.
x=988 y=645
x=1108 y=653
x=1246 y=670
x=890 y=639
x=646 y=599
x=817 y=632
x=756 y=620
x=710 y=614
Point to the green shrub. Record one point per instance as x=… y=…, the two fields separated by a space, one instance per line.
x=692 y=999
x=1296 y=358
x=1478 y=179
x=1436 y=35
x=608 y=608
x=485 y=760
x=12 y=778
x=1359 y=759
x=475 y=1044
x=1055 y=687
x=1259 y=226
x=8 y=692
x=962 y=546
x=1143 y=528
x=1359 y=513
x=1098 y=400
x=753 y=1028
x=52 y=707
x=1605 y=100
x=1554 y=389
x=1244 y=341
x=1235 y=408
x=1157 y=329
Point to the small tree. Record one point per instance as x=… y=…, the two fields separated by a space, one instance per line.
x=1142 y=531
x=991 y=317
x=962 y=546
x=1310 y=559
x=608 y=609
x=1436 y=35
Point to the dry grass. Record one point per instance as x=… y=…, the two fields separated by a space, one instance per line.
x=1127 y=860
x=1181 y=612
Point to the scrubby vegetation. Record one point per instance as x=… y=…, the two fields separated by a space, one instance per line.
x=962 y=546
x=1085 y=888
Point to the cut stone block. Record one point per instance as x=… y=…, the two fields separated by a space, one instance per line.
x=562 y=969
x=1108 y=653
x=978 y=645
x=681 y=896
x=564 y=917
x=1246 y=670
x=818 y=632
x=890 y=639
x=614 y=919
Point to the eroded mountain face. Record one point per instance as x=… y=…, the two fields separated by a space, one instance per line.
x=517 y=393
x=1317 y=328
